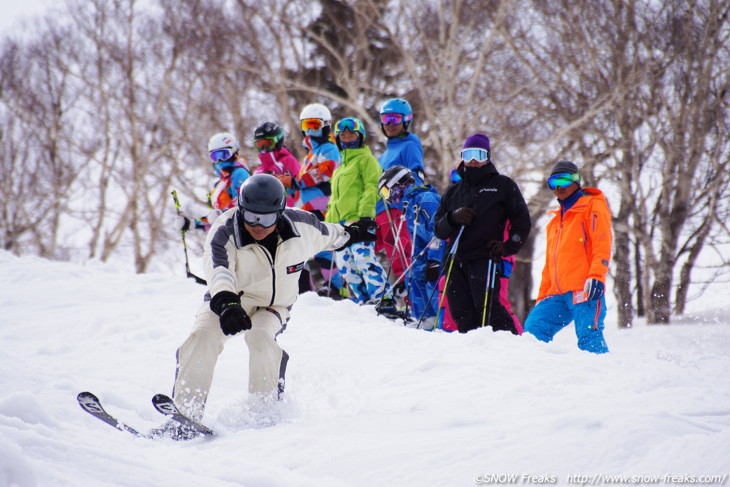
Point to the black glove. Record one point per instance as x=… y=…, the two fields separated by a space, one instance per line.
x=184 y=222
x=431 y=271
x=463 y=215
x=399 y=290
x=496 y=249
x=362 y=230
x=233 y=318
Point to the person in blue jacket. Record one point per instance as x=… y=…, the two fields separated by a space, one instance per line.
x=419 y=202
x=403 y=148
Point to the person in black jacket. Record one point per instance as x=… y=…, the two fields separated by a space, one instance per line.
x=481 y=202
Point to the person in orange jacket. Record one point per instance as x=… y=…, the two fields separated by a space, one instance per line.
x=576 y=262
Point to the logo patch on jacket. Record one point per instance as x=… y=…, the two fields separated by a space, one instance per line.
x=291 y=269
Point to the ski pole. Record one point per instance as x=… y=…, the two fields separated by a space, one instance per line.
x=413 y=262
x=413 y=248
x=493 y=280
x=199 y=280
x=416 y=210
x=450 y=259
x=487 y=288
x=329 y=278
x=396 y=235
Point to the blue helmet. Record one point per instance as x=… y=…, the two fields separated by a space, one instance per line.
x=353 y=125
x=398 y=105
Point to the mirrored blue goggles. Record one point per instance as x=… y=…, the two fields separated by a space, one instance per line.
x=221 y=154
x=348 y=124
x=265 y=220
x=475 y=154
x=563 y=180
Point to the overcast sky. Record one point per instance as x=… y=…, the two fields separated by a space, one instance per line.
x=13 y=12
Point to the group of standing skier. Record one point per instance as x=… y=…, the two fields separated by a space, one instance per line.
x=341 y=206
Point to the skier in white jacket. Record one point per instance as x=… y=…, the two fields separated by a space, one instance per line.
x=253 y=257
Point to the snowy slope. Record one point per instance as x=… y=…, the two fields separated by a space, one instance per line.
x=368 y=403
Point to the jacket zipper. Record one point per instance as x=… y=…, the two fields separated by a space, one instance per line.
x=555 y=254
x=273 y=273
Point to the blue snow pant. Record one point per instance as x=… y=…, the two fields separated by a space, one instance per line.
x=554 y=313
x=358 y=265
x=419 y=290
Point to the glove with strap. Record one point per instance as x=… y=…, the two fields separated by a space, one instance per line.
x=463 y=216
x=362 y=230
x=496 y=249
x=431 y=271
x=593 y=289
x=184 y=223
x=233 y=318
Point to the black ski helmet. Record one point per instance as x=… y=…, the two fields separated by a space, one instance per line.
x=270 y=130
x=396 y=175
x=262 y=193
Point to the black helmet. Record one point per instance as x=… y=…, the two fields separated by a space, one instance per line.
x=262 y=193
x=393 y=183
x=396 y=175
x=268 y=136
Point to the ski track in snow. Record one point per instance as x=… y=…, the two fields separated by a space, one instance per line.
x=368 y=402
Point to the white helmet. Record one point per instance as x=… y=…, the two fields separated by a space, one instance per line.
x=223 y=140
x=316 y=110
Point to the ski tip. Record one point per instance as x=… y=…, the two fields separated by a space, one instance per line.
x=164 y=404
x=161 y=398
x=85 y=396
x=90 y=403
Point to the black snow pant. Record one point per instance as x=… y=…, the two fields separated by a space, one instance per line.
x=465 y=292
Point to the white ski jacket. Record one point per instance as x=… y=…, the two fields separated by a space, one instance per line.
x=235 y=262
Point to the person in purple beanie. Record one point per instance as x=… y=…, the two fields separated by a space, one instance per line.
x=476 y=209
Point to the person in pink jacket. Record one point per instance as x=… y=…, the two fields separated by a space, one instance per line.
x=268 y=140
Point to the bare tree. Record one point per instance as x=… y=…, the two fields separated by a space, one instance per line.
x=634 y=92
x=39 y=96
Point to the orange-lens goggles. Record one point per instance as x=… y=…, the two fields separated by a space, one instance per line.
x=312 y=124
x=264 y=144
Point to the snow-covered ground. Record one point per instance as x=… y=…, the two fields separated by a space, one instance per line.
x=368 y=402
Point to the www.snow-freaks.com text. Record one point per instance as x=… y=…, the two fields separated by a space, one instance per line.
x=599 y=479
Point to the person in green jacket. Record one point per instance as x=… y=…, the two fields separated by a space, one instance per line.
x=354 y=194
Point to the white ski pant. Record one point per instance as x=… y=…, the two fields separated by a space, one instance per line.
x=197 y=357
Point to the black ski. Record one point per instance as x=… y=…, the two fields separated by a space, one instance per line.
x=187 y=428
x=166 y=406
x=91 y=404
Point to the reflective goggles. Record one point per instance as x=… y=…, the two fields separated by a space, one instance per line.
x=265 y=144
x=474 y=154
x=221 y=154
x=311 y=124
x=265 y=220
x=348 y=124
x=393 y=194
x=563 y=180
x=394 y=118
